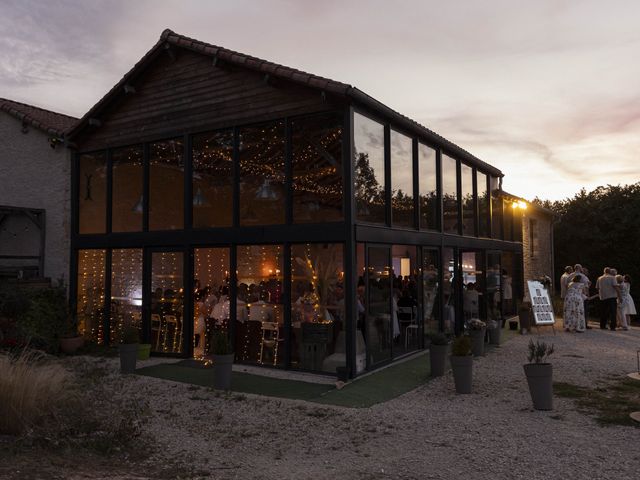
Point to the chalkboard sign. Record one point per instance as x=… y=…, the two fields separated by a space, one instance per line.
x=540 y=303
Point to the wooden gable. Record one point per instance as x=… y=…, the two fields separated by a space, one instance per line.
x=183 y=91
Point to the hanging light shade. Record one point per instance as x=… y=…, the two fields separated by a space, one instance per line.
x=199 y=200
x=139 y=206
x=266 y=191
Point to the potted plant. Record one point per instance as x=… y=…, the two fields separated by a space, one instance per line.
x=462 y=364
x=477 y=330
x=495 y=330
x=438 y=353
x=539 y=374
x=222 y=360
x=129 y=349
x=70 y=340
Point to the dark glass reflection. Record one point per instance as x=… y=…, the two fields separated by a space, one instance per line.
x=449 y=195
x=92 y=193
x=126 y=292
x=449 y=271
x=401 y=180
x=428 y=188
x=430 y=290
x=318 y=340
x=127 y=187
x=260 y=337
x=368 y=170
x=213 y=179
x=317 y=169
x=90 y=303
x=167 y=302
x=466 y=194
x=212 y=299
x=406 y=327
x=262 y=194
x=378 y=308
x=166 y=185
x=483 y=205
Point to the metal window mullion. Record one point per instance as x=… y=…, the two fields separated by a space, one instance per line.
x=146 y=169
x=349 y=255
x=387 y=175
x=286 y=300
x=109 y=212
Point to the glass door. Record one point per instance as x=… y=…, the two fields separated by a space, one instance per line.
x=474 y=293
x=167 y=301
x=494 y=279
x=379 y=324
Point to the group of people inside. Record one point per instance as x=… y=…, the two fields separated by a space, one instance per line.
x=613 y=291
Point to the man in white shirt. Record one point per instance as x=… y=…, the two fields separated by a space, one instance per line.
x=564 y=281
x=608 y=294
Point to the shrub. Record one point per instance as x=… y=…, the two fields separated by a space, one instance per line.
x=130 y=335
x=539 y=351
x=46 y=318
x=29 y=389
x=439 y=338
x=461 y=346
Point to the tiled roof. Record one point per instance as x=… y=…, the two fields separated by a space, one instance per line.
x=169 y=38
x=49 y=122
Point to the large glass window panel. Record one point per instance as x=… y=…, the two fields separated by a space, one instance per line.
x=211 y=303
x=126 y=292
x=378 y=309
x=213 y=179
x=127 y=201
x=483 y=205
x=167 y=301
x=92 y=193
x=406 y=328
x=449 y=195
x=260 y=339
x=497 y=216
x=494 y=280
x=90 y=295
x=401 y=180
x=262 y=193
x=449 y=289
x=474 y=293
x=361 y=300
x=428 y=188
x=368 y=170
x=317 y=169
x=317 y=307
x=166 y=185
x=468 y=209
x=430 y=290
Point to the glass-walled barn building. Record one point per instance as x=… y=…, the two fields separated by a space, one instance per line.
x=315 y=226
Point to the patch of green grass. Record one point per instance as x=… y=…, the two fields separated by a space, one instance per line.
x=610 y=404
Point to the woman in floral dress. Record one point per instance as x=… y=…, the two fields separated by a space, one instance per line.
x=626 y=307
x=574 y=306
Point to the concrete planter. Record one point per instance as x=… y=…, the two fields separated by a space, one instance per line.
x=128 y=357
x=477 y=341
x=69 y=345
x=438 y=359
x=494 y=335
x=222 y=370
x=462 y=368
x=540 y=380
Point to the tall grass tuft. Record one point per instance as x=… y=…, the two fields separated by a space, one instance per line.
x=29 y=389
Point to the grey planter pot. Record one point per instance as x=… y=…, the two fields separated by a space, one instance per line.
x=540 y=380
x=462 y=368
x=438 y=359
x=128 y=357
x=494 y=335
x=477 y=342
x=222 y=369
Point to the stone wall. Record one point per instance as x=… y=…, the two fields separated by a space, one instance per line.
x=34 y=175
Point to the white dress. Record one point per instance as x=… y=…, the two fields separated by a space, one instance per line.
x=626 y=306
x=574 y=307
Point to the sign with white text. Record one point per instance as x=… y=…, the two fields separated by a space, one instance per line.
x=540 y=303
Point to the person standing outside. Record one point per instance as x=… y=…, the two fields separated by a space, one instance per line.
x=564 y=281
x=583 y=273
x=608 y=294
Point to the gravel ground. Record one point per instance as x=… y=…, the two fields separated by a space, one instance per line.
x=429 y=433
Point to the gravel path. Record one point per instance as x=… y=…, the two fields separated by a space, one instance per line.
x=429 y=433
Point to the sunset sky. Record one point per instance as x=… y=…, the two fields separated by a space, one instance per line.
x=547 y=91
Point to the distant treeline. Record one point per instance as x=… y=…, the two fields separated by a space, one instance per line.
x=599 y=229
